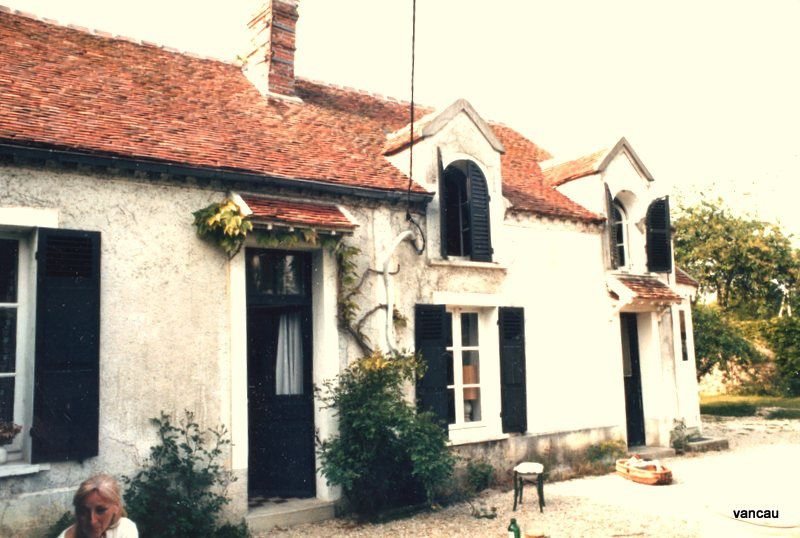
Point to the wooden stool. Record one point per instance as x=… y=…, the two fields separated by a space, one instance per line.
x=529 y=471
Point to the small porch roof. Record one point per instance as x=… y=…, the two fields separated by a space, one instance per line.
x=266 y=211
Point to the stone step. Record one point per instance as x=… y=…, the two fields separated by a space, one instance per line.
x=652 y=452
x=292 y=512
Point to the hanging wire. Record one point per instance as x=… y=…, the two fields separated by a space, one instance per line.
x=409 y=218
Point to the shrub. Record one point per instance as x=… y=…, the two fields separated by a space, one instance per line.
x=54 y=531
x=606 y=451
x=386 y=454
x=784 y=413
x=180 y=491
x=728 y=409
x=480 y=475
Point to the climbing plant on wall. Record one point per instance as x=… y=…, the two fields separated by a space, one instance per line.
x=224 y=225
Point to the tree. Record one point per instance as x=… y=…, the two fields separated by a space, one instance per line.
x=719 y=341
x=748 y=264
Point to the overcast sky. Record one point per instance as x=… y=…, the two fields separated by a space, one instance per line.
x=706 y=91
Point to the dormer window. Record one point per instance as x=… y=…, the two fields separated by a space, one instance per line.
x=464 y=199
x=619 y=222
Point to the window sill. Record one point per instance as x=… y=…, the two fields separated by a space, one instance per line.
x=21 y=469
x=468 y=263
x=486 y=439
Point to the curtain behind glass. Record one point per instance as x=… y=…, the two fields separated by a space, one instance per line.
x=289 y=360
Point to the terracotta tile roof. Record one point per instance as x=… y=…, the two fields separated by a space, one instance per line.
x=69 y=89
x=649 y=289
x=297 y=213
x=682 y=277
x=561 y=173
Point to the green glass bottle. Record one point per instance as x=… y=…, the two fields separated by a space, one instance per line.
x=513 y=529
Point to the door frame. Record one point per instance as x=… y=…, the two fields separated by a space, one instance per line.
x=274 y=305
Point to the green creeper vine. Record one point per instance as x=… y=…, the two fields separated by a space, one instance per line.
x=224 y=225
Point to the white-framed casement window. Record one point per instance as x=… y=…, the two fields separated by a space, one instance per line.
x=15 y=360
x=464 y=369
x=620 y=223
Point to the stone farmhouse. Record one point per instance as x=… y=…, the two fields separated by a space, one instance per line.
x=542 y=294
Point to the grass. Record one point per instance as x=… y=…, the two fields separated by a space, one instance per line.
x=744 y=406
x=728 y=409
x=758 y=401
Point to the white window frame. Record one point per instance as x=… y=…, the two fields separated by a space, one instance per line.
x=19 y=449
x=624 y=240
x=458 y=385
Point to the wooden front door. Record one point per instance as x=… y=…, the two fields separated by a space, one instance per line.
x=633 y=380
x=279 y=375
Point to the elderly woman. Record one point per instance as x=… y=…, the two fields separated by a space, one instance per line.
x=99 y=512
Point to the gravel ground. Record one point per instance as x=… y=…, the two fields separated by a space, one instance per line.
x=699 y=502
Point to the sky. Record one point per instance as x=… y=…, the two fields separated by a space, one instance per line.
x=707 y=92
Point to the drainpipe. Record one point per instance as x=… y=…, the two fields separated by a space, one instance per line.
x=387 y=281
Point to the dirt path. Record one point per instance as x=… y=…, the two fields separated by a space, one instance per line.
x=760 y=471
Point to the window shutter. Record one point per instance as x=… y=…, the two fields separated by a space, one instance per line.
x=659 y=240
x=66 y=372
x=612 y=231
x=430 y=335
x=442 y=204
x=512 y=369
x=481 y=237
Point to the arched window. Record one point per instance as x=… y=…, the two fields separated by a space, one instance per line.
x=464 y=199
x=620 y=232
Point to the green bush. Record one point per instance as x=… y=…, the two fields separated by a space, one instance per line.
x=606 y=451
x=784 y=339
x=728 y=409
x=66 y=520
x=480 y=475
x=784 y=413
x=180 y=491
x=386 y=454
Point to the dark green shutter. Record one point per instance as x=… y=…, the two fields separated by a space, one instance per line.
x=659 y=246
x=430 y=336
x=512 y=369
x=66 y=372
x=480 y=236
x=612 y=230
x=442 y=204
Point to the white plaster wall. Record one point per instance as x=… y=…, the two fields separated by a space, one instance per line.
x=573 y=353
x=164 y=333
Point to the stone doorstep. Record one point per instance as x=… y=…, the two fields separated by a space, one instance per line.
x=292 y=512
x=704 y=445
x=652 y=452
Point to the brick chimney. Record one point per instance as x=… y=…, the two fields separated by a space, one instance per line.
x=269 y=64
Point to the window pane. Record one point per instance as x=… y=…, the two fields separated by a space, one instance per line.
x=274 y=273
x=470 y=367
x=469 y=329
x=451 y=406
x=8 y=339
x=7 y=399
x=472 y=404
x=9 y=255
x=449 y=324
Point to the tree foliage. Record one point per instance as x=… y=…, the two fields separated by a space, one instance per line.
x=784 y=339
x=747 y=264
x=720 y=341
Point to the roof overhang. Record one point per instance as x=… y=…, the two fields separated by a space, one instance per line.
x=641 y=292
